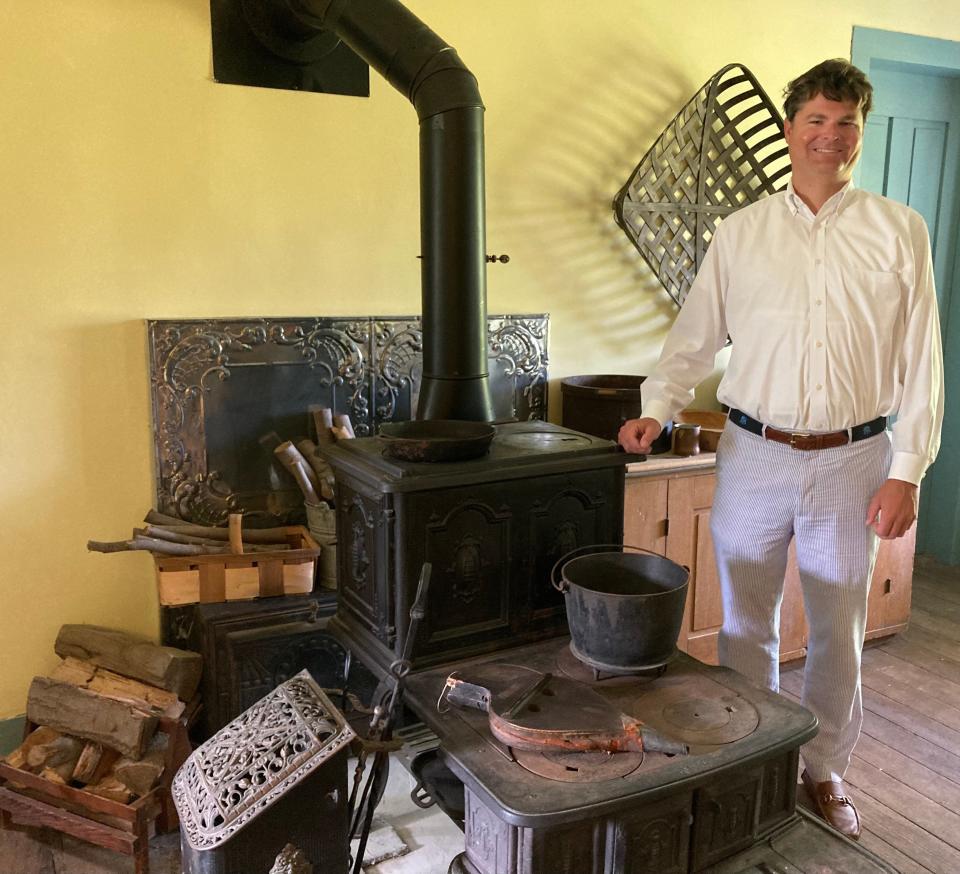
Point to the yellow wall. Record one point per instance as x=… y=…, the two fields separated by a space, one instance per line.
x=135 y=187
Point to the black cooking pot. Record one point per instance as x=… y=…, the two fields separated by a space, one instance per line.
x=624 y=606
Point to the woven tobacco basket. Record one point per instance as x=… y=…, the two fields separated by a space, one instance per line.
x=724 y=150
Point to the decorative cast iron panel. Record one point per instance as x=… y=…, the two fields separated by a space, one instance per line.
x=468 y=543
x=725 y=818
x=725 y=149
x=219 y=385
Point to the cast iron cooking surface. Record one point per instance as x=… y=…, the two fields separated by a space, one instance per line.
x=519 y=449
x=695 y=698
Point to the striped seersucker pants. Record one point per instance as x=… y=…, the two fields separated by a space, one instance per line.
x=767 y=494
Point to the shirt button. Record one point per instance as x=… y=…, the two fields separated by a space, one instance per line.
x=819 y=343
x=819 y=387
x=819 y=301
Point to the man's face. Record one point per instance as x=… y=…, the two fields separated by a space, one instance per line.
x=824 y=138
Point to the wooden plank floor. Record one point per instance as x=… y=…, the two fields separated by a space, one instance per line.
x=905 y=773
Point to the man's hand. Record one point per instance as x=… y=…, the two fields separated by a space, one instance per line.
x=637 y=435
x=893 y=509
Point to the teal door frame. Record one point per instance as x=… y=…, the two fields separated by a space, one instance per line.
x=939 y=530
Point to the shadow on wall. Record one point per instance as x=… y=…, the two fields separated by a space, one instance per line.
x=565 y=166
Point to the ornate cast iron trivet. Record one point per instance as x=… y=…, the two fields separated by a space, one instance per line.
x=724 y=150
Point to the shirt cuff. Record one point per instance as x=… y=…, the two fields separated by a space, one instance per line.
x=656 y=409
x=908 y=467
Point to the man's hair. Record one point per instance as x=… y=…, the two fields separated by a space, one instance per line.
x=836 y=79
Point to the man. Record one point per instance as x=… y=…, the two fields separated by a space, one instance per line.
x=827 y=294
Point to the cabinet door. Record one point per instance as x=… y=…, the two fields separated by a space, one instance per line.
x=645 y=513
x=690 y=544
x=888 y=607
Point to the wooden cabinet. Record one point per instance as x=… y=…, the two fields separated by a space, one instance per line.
x=667 y=510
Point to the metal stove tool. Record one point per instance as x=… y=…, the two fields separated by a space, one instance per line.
x=381 y=729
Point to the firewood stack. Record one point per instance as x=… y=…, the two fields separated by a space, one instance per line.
x=96 y=715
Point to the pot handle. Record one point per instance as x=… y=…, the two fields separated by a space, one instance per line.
x=562 y=585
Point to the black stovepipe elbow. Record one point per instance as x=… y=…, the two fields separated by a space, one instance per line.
x=445 y=95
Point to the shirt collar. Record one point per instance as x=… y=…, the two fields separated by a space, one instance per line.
x=833 y=206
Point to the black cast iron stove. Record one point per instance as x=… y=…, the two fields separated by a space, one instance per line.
x=491 y=527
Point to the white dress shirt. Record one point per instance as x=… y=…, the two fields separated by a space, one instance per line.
x=833 y=319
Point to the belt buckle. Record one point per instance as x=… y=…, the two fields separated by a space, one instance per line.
x=799 y=435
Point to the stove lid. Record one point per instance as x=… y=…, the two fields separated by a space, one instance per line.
x=519 y=449
x=251 y=763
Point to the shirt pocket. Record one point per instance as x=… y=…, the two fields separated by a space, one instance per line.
x=874 y=296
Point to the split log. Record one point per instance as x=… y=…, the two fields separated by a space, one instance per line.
x=344 y=424
x=53 y=776
x=77 y=711
x=143 y=696
x=62 y=748
x=176 y=670
x=89 y=762
x=141 y=775
x=41 y=735
x=59 y=756
x=298 y=467
x=105 y=765
x=323 y=421
x=110 y=787
x=320 y=467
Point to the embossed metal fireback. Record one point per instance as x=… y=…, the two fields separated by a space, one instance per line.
x=218 y=385
x=256 y=759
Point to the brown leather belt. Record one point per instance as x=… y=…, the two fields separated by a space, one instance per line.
x=806 y=441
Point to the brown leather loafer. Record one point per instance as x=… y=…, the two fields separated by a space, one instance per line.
x=834 y=805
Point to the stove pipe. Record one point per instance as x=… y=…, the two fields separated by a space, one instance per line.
x=393 y=41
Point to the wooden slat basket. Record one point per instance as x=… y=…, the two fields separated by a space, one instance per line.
x=210 y=579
